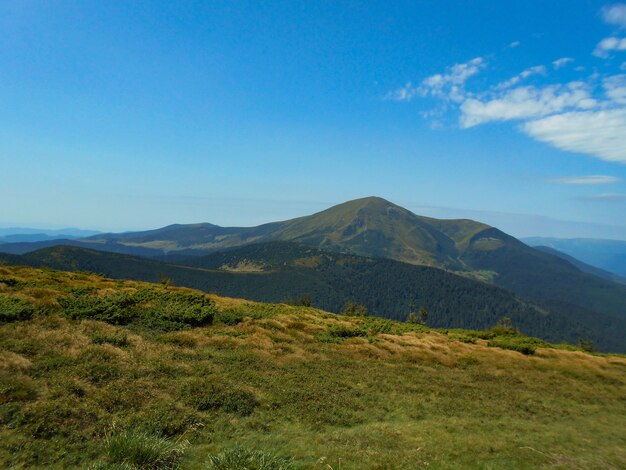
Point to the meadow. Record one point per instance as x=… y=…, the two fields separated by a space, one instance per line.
x=109 y=374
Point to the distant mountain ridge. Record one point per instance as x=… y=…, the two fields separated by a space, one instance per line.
x=584 y=267
x=609 y=255
x=370 y=227
x=278 y=271
x=18 y=234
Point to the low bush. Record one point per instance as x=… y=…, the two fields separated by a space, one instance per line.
x=14 y=309
x=514 y=345
x=337 y=334
x=117 y=309
x=239 y=458
x=162 y=311
x=230 y=318
x=183 y=308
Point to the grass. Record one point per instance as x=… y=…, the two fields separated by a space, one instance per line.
x=286 y=387
x=138 y=449
x=240 y=458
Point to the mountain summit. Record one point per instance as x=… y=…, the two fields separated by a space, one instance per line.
x=373 y=226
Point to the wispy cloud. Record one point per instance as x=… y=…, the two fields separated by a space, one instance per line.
x=615 y=14
x=600 y=133
x=514 y=44
x=608 y=45
x=562 y=62
x=587 y=180
x=526 y=102
x=613 y=197
x=615 y=88
x=449 y=85
x=536 y=70
x=584 y=116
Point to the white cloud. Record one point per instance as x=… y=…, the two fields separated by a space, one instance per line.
x=608 y=45
x=525 y=103
x=514 y=44
x=449 y=85
x=587 y=180
x=598 y=133
x=615 y=88
x=615 y=14
x=536 y=70
x=562 y=62
x=615 y=197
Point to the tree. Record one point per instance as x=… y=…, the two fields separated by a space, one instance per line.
x=505 y=327
x=411 y=318
x=304 y=300
x=586 y=345
x=422 y=316
x=353 y=308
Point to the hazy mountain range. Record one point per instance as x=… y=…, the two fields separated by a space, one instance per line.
x=609 y=255
x=24 y=234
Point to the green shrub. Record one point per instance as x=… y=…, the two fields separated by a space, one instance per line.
x=139 y=449
x=230 y=318
x=117 y=309
x=14 y=309
x=187 y=309
x=239 y=458
x=162 y=311
x=337 y=334
x=519 y=346
x=505 y=327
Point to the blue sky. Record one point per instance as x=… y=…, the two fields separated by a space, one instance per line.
x=132 y=115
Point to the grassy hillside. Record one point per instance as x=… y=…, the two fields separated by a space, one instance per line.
x=98 y=373
x=279 y=271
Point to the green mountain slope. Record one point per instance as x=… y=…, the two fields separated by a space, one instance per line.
x=279 y=271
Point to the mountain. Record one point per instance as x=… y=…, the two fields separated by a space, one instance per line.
x=279 y=271
x=374 y=227
x=32 y=237
x=370 y=227
x=584 y=267
x=17 y=234
x=609 y=255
